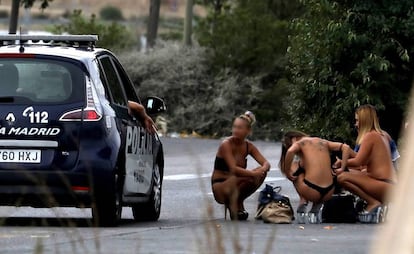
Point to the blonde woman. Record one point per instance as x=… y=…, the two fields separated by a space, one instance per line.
x=373 y=172
x=231 y=182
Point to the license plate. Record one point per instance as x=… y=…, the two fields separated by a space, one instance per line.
x=20 y=156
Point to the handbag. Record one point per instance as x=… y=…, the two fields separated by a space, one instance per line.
x=274 y=207
x=340 y=209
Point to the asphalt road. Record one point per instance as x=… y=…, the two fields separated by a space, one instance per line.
x=191 y=222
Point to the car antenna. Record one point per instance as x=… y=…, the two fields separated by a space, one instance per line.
x=21 y=49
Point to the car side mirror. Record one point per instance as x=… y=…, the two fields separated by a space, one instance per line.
x=154 y=105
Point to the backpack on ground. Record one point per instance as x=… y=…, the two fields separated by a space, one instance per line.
x=340 y=209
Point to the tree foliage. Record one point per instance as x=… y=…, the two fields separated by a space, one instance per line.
x=111 y=13
x=250 y=38
x=29 y=3
x=197 y=100
x=246 y=35
x=112 y=36
x=346 y=53
x=14 y=12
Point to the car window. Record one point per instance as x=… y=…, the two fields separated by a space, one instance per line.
x=96 y=74
x=40 y=80
x=111 y=80
x=126 y=82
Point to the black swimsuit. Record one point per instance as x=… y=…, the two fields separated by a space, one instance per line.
x=322 y=190
x=220 y=164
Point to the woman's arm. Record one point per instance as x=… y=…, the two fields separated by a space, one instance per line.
x=290 y=154
x=139 y=110
x=346 y=152
x=352 y=153
x=362 y=156
x=257 y=155
x=227 y=154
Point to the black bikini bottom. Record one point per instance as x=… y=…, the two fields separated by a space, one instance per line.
x=322 y=190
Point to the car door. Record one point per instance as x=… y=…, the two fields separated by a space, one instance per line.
x=136 y=147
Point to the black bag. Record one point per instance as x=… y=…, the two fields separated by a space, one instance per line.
x=339 y=209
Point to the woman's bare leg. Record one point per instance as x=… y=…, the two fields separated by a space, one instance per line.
x=305 y=192
x=235 y=190
x=226 y=193
x=303 y=203
x=371 y=190
x=302 y=200
x=247 y=186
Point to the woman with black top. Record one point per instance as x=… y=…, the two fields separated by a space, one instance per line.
x=231 y=182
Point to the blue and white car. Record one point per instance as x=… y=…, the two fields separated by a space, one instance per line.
x=67 y=137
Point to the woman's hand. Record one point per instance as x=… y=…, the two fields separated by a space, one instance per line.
x=291 y=177
x=337 y=164
x=265 y=168
x=136 y=109
x=149 y=125
x=338 y=171
x=260 y=172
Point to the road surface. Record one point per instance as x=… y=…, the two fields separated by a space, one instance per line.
x=191 y=222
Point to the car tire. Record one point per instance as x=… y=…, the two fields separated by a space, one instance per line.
x=107 y=210
x=150 y=211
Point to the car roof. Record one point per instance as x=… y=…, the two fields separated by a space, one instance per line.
x=77 y=53
x=79 y=47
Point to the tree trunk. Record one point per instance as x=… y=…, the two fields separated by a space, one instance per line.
x=14 y=16
x=217 y=6
x=153 y=18
x=188 y=22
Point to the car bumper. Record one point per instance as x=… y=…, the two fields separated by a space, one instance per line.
x=54 y=188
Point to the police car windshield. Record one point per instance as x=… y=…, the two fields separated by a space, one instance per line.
x=40 y=81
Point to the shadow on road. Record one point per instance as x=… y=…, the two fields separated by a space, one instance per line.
x=53 y=222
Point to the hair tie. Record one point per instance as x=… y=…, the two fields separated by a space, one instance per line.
x=251 y=116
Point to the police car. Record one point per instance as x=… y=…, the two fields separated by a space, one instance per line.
x=67 y=137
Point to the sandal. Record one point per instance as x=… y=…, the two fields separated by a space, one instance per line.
x=301 y=213
x=374 y=216
x=315 y=214
x=242 y=215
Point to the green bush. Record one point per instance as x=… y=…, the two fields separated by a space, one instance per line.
x=171 y=35
x=170 y=29
x=4 y=14
x=41 y=15
x=111 y=13
x=197 y=99
x=348 y=53
x=250 y=38
x=112 y=36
